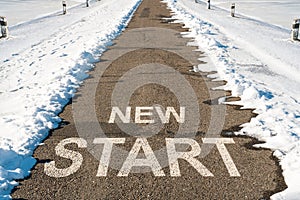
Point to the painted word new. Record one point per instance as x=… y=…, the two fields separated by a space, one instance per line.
x=144 y=112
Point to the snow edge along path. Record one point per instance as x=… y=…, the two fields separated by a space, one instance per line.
x=41 y=81
x=278 y=120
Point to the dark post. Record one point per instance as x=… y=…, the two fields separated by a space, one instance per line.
x=295 y=29
x=87 y=3
x=232 y=9
x=3 y=26
x=64 y=3
x=208 y=4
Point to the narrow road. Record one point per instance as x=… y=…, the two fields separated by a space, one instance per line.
x=145 y=74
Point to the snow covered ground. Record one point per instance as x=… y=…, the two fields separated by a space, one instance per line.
x=262 y=66
x=18 y=11
x=41 y=65
x=45 y=59
x=278 y=12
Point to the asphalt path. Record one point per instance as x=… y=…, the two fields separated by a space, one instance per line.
x=117 y=141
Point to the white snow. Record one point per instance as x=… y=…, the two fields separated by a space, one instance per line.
x=41 y=65
x=262 y=66
x=277 y=12
x=19 y=11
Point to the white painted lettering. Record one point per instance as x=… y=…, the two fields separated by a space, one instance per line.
x=106 y=153
x=173 y=156
x=220 y=142
x=165 y=118
x=76 y=158
x=143 y=112
x=116 y=111
x=150 y=161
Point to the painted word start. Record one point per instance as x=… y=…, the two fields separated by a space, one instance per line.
x=141 y=143
x=150 y=159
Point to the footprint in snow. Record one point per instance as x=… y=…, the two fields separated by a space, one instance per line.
x=64 y=55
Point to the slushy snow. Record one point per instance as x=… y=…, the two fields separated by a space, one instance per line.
x=41 y=65
x=261 y=66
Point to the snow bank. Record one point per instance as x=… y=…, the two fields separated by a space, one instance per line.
x=41 y=65
x=262 y=66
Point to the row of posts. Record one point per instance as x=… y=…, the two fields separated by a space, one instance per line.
x=295 y=26
x=64 y=4
x=294 y=36
x=4 y=26
x=232 y=8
